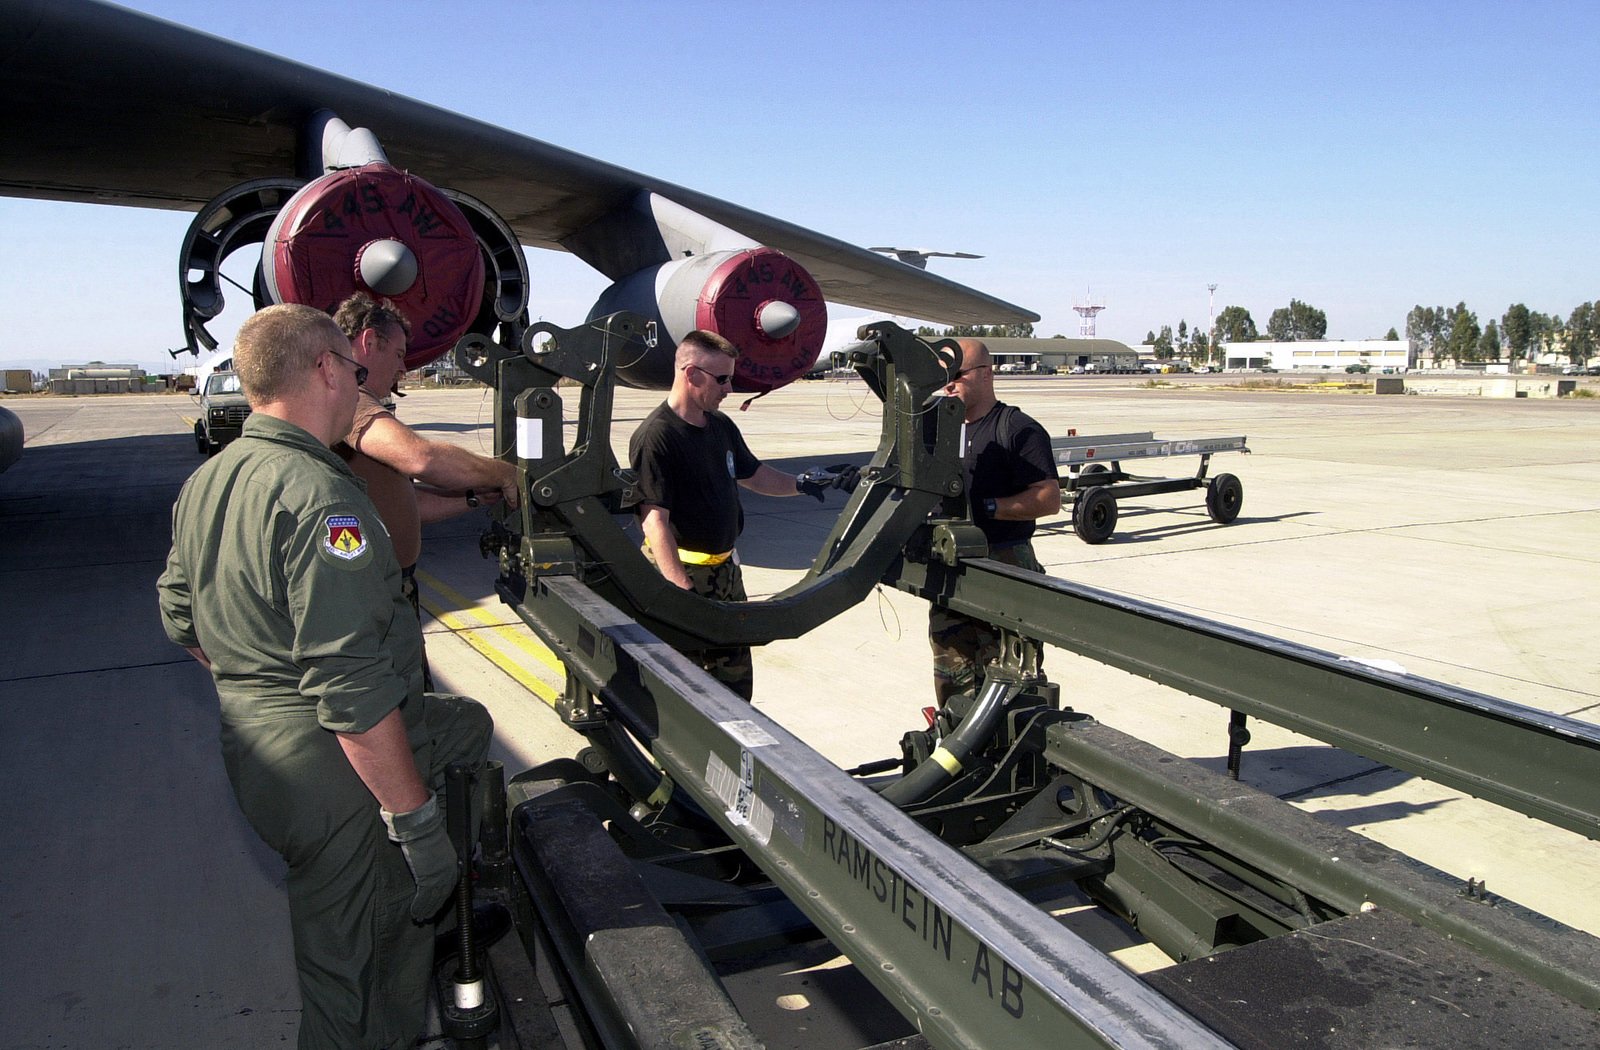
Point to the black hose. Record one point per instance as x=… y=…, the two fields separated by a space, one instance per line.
x=641 y=779
x=975 y=730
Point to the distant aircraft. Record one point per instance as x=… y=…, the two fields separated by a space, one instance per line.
x=105 y=105
x=919 y=257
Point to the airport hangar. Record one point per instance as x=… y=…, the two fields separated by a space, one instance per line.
x=1060 y=354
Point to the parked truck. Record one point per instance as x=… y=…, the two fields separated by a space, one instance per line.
x=223 y=410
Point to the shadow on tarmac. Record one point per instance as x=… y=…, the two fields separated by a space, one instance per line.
x=1284 y=771
x=1197 y=522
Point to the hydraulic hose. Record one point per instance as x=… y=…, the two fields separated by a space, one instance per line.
x=642 y=780
x=945 y=763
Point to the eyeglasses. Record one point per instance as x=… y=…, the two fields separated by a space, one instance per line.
x=361 y=369
x=968 y=371
x=722 y=380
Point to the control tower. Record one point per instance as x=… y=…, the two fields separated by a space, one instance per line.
x=1087 y=310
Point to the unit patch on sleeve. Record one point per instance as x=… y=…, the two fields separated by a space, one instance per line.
x=344 y=538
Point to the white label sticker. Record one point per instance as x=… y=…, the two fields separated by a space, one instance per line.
x=745 y=809
x=748 y=734
x=530 y=438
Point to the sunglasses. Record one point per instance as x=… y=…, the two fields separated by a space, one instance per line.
x=361 y=369
x=968 y=371
x=722 y=380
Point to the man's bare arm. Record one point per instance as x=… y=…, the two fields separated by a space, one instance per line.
x=436 y=463
x=657 y=524
x=770 y=481
x=382 y=759
x=1039 y=500
x=438 y=505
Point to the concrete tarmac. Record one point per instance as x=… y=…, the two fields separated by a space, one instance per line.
x=1456 y=537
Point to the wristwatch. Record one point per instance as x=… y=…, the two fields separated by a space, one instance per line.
x=989 y=507
x=472 y=498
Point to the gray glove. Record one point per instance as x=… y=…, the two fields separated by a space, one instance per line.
x=429 y=854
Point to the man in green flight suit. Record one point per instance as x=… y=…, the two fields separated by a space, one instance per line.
x=284 y=584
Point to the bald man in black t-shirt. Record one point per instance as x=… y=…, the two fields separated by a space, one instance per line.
x=1011 y=481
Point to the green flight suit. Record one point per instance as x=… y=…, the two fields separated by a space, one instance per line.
x=282 y=573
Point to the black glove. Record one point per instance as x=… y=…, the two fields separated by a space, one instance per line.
x=807 y=487
x=845 y=476
x=429 y=854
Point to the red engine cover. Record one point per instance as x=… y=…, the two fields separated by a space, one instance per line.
x=315 y=247
x=730 y=304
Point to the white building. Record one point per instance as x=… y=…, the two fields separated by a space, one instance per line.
x=1321 y=355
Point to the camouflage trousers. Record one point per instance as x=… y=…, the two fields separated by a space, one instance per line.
x=962 y=646
x=729 y=664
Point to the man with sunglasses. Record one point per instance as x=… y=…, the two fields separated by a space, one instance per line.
x=283 y=584
x=410 y=479
x=691 y=461
x=1011 y=481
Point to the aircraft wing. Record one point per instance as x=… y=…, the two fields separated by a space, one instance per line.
x=105 y=105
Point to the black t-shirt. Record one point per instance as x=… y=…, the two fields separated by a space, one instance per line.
x=994 y=469
x=693 y=474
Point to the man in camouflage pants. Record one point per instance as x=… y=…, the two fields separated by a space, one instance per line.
x=692 y=461
x=729 y=664
x=1011 y=481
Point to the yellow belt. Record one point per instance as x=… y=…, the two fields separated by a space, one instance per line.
x=696 y=558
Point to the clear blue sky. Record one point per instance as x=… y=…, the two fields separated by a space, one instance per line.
x=1363 y=157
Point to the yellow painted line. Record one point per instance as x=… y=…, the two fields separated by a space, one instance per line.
x=512 y=631
x=479 y=639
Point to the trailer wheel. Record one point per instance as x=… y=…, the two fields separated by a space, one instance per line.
x=1094 y=515
x=1224 y=497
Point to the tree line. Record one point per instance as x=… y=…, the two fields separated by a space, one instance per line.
x=1443 y=333
x=1453 y=333
x=1287 y=324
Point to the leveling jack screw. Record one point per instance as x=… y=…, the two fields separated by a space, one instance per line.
x=468 y=1013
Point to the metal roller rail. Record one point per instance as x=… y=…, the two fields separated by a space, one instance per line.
x=959 y=954
x=1537 y=763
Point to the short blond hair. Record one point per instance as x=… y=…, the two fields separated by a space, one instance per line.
x=702 y=341
x=277 y=348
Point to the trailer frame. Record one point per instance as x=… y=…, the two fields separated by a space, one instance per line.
x=1095 y=478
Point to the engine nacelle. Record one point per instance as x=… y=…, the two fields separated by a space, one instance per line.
x=759 y=299
x=377 y=229
x=445 y=259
